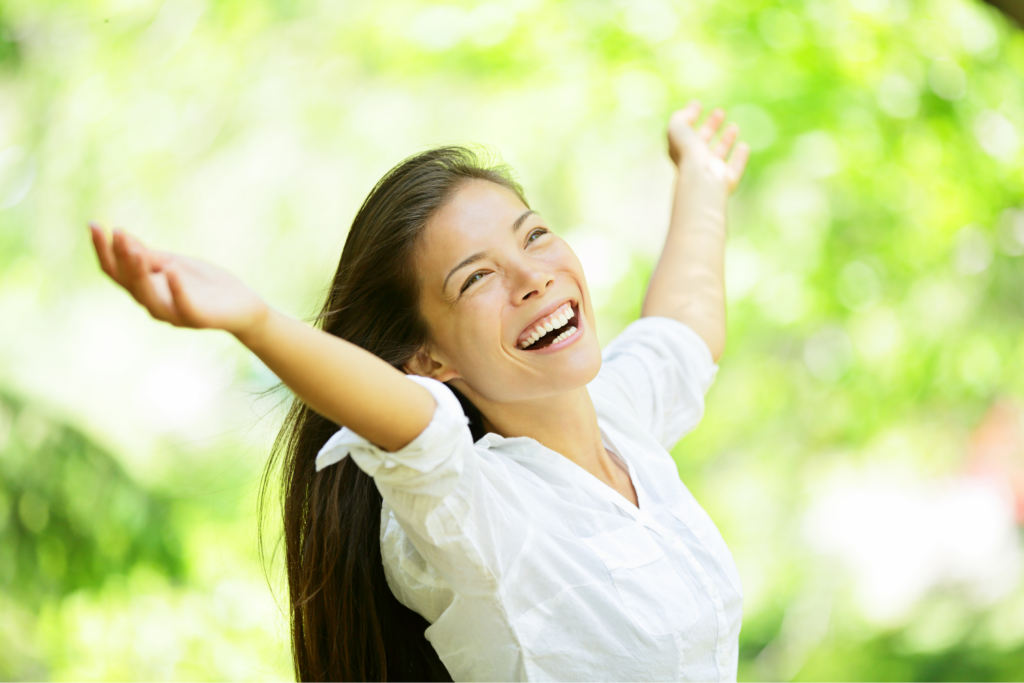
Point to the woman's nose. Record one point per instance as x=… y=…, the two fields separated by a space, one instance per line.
x=535 y=280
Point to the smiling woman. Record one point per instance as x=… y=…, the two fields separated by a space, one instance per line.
x=521 y=273
x=471 y=488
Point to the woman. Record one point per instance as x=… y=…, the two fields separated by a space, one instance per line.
x=500 y=503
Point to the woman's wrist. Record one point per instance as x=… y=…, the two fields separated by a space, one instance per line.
x=696 y=187
x=255 y=330
x=698 y=206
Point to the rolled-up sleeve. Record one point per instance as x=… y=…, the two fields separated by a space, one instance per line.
x=439 y=492
x=429 y=465
x=658 y=370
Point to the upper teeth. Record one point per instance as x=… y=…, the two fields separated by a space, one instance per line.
x=554 y=321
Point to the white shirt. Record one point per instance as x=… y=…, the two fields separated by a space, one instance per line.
x=529 y=568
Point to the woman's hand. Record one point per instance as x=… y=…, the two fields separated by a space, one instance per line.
x=700 y=163
x=182 y=291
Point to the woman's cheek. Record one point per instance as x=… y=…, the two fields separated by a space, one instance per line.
x=484 y=321
x=577 y=266
x=567 y=258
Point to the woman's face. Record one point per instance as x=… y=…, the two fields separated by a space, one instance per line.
x=490 y=269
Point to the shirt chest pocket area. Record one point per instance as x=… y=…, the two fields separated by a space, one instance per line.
x=655 y=596
x=697 y=520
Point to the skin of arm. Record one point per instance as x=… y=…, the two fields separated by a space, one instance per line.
x=343 y=382
x=688 y=282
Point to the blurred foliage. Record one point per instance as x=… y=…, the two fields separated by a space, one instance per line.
x=874 y=278
x=8 y=46
x=71 y=516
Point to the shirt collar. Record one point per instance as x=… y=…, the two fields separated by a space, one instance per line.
x=491 y=440
x=494 y=440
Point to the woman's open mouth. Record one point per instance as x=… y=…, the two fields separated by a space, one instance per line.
x=555 y=329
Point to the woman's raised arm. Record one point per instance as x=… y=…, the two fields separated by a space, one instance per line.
x=343 y=382
x=688 y=283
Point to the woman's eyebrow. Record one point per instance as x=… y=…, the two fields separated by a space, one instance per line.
x=479 y=255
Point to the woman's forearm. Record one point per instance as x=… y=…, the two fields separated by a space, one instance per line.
x=341 y=381
x=688 y=283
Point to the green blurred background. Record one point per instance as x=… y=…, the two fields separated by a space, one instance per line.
x=861 y=450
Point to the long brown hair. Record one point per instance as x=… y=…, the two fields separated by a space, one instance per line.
x=345 y=622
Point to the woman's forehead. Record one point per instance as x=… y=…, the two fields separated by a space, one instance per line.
x=479 y=217
x=477 y=212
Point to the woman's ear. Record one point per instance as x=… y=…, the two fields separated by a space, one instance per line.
x=426 y=364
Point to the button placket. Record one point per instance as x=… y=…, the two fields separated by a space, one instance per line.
x=644 y=517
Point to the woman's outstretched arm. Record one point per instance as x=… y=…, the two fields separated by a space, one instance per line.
x=688 y=283
x=341 y=381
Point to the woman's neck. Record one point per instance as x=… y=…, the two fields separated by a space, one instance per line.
x=566 y=424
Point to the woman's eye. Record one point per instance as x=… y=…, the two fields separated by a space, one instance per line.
x=472 y=278
x=475 y=277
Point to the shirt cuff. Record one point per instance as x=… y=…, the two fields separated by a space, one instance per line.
x=424 y=453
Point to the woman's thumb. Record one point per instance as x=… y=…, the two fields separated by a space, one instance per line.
x=680 y=124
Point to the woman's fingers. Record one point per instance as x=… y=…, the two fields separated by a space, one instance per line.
x=682 y=126
x=108 y=261
x=133 y=267
x=159 y=259
x=181 y=301
x=691 y=112
x=104 y=251
x=738 y=162
x=711 y=124
x=726 y=141
x=159 y=305
x=152 y=277
x=123 y=261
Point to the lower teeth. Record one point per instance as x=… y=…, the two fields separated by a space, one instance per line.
x=565 y=335
x=561 y=337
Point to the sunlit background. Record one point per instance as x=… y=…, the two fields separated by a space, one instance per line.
x=863 y=447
